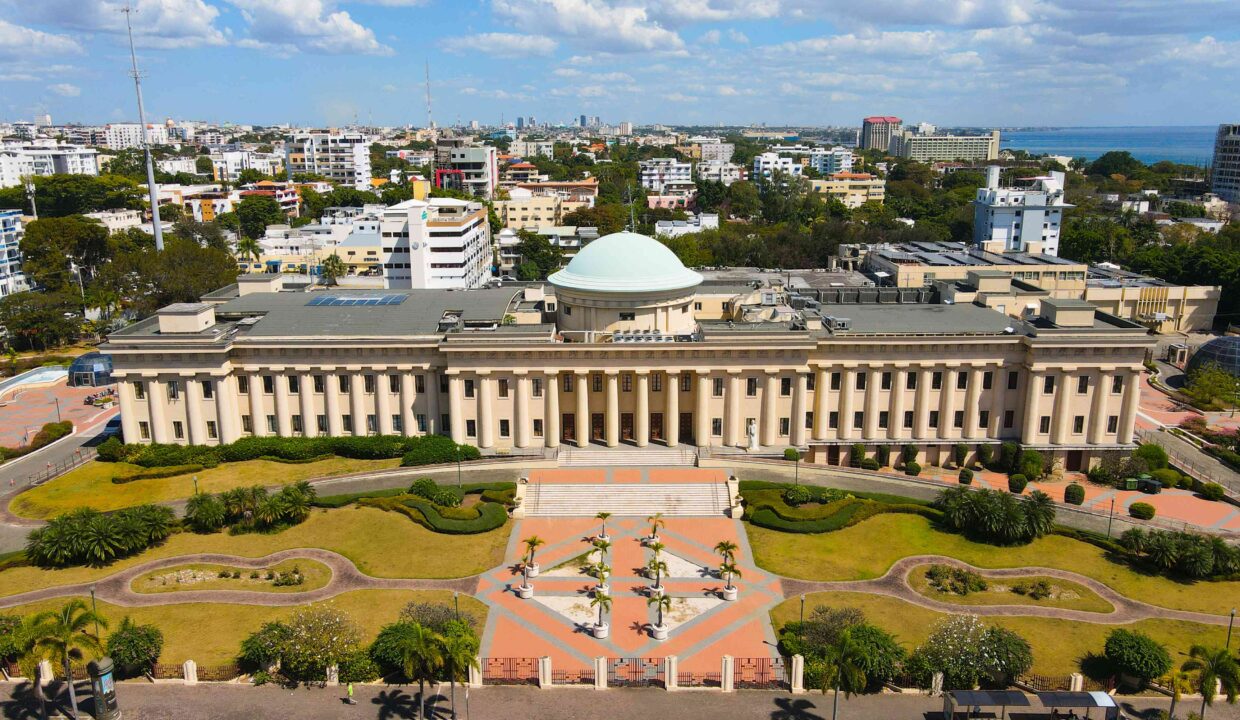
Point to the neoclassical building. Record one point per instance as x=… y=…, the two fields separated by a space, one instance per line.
x=627 y=346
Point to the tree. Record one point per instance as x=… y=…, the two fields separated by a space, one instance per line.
x=607 y=218
x=318 y=636
x=602 y=516
x=40 y=320
x=1211 y=386
x=204 y=166
x=422 y=658
x=662 y=603
x=1116 y=162
x=256 y=212
x=63 y=634
x=539 y=258
x=249 y=176
x=52 y=244
x=1214 y=666
x=743 y=200
x=249 y=249
x=602 y=601
x=726 y=549
x=532 y=543
x=460 y=653
x=205 y=513
x=730 y=570
x=1136 y=654
x=965 y=650
x=135 y=648
x=333 y=267
x=842 y=669
x=61 y=195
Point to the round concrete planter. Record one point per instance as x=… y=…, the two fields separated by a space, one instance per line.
x=604 y=538
x=658 y=632
x=652 y=539
x=601 y=631
x=655 y=590
x=602 y=588
x=525 y=592
x=533 y=570
x=730 y=594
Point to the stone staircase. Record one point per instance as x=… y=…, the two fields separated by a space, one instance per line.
x=628 y=456
x=565 y=500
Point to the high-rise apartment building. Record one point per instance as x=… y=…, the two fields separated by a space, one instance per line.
x=877 y=130
x=441 y=243
x=12 y=279
x=936 y=148
x=657 y=173
x=717 y=152
x=769 y=163
x=341 y=157
x=1019 y=219
x=462 y=166
x=1226 y=168
x=123 y=136
x=829 y=162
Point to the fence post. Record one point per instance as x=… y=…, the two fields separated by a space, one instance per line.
x=189 y=671
x=333 y=675
x=936 y=684
x=671 y=665
x=475 y=674
x=45 y=672
x=600 y=673
x=1076 y=683
x=726 y=679
x=797 y=678
x=544 y=672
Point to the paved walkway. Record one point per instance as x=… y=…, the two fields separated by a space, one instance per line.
x=26 y=410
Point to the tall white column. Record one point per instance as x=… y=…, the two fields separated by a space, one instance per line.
x=309 y=421
x=972 y=404
x=998 y=395
x=847 y=388
x=456 y=405
x=357 y=403
x=1128 y=412
x=800 y=390
x=432 y=404
x=129 y=408
x=582 y=387
x=1033 y=392
x=157 y=399
x=258 y=416
x=770 y=412
x=193 y=411
x=1061 y=415
x=383 y=403
x=921 y=404
x=284 y=420
x=641 y=417
x=611 y=420
x=671 y=421
x=408 y=419
x=701 y=408
x=732 y=420
x=226 y=409
x=873 y=386
x=521 y=433
x=895 y=410
x=822 y=391
x=1098 y=409
x=947 y=404
x=551 y=410
x=331 y=404
x=486 y=410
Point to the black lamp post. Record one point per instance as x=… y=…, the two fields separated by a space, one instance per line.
x=1230 y=622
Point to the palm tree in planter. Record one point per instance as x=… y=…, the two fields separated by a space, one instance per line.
x=842 y=669
x=602 y=601
x=727 y=550
x=525 y=590
x=602 y=571
x=532 y=543
x=656 y=568
x=656 y=522
x=729 y=570
x=662 y=603
x=62 y=634
x=1215 y=667
x=603 y=534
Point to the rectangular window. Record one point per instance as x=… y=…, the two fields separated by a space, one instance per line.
x=368 y=384
x=910 y=380
x=686 y=382
x=835 y=381
x=717 y=387
x=144 y=428
x=212 y=430
x=809 y=419
x=538 y=428
x=596 y=382
x=505 y=427
x=398 y=424
x=751 y=387
x=656 y=382
x=247 y=425
x=936 y=380
x=886 y=381
x=243 y=385
x=627 y=316
x=503 y=387
x=1082 y=384
x=319 y=384
x=536 y=387
x=833 y=419
x=420 y=419
x=785 y=387
x=962 y=381
x=785 y=426
x=811 y=381
x=471 y=428
x=1117 y=384
x=934 y=418
x=988 y=380
x=469 y=388
x=568 y=383
x=908 y=419
x=393 y=383
x=1009 y=419
x=342 y=381
x=297 y=428
x=208 y=389
x=1113 y=424
x=372 y=424
x=884 y=417
x=346 y=423
x=983 y=419
x=443 y=384
x=419 y=384
x=320 y=421
x=174 y=390
x=294 y=384
x=626 y=382
x=1044 y=424
x=178 y=430
x=1078 y=424
x=445 y=421
x=1048 y=384
x=958 y=419
x=1013 y=379
x=272 y=426
x=716 y=427
x=859 y=381
x=269 y=384
x=859 y=419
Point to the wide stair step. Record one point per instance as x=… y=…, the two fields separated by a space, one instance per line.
x=627 y=456
x=564 y=500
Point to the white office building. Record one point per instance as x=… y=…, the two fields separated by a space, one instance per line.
x=717 y=152
x=1226 y=169
x=726 y=173
x=45 y=158
x=532 y=148
x=176 y=165
x=936 y=148
x=341 y=157
x=769 y=163
x=831 y=161
x=227 y=165
x=695 y=224
x=123 y=136
x=1024 y=219
x=442 y=244
x=658 y=172
x=12 y=279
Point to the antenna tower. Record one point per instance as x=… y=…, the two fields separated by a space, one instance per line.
x=430 y=121
x=146 y=139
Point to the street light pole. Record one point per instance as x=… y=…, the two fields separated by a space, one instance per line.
x=458 y=465
x=1230 y=622
x=94 y=610
x=1110 y=518
x=57 y=409
x=195 y=484
x=802 y=613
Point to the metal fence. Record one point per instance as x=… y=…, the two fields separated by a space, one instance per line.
x=759 y=674
x=636 y=672
x=509 y=671
x=81 y=456
x=1046 y=683
x=699 y=679
x=167 y=671
x=218 y=673
x=580 y=676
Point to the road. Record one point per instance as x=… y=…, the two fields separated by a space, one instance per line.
x=140 y=701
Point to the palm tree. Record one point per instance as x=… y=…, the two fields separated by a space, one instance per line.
x=532 y=543
x=602 y=546
x=62 y=634
x=656 y=521
x=730 y=570
x=1039 y=513
x=842 y=669
x=31 y=660
x=460 y=652
x=332 y=268
x=602 y=601
x=662 y=603
x=656 y=567
x=248 y=247
x=657 y=548
x=423 y=657
x=1214 y=666
x=603 y=516
x=602 y=571
x=726 y=549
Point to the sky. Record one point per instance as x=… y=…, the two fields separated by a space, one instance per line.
x=796 y=62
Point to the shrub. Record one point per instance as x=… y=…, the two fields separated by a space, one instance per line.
x=158 y=472
x=1017 y=484
x=856 y=454
x=1136 y=654
x=205 y=513
x=908 y=453
x=1167 y=476
x=985 y=455
x=797 y=495
x=959 y=452
x=1032 y=464
x=966 y=476
x=1036 y=589
x=358 y=667
x=48 y=434
x=1212 y=491
x=135 y=648
x=435 y=450
x=1141 y=511
x=883 y=454
x=1009 y=454
x=792 y=454
x=1074 y=494
x=445 y=498
x=912 y=468
x=423 y=487
x=1153 y=455
x=996 y=516
x=111 y=450
x=869 y=464
x=89 y=537
x=954 y=580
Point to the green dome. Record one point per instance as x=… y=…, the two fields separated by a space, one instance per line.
x=625 y=262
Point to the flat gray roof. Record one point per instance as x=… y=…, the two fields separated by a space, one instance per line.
x=921 y=319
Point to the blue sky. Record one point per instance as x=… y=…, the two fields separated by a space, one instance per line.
x=820 y=62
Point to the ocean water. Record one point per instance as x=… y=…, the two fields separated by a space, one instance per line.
x=1189 y=145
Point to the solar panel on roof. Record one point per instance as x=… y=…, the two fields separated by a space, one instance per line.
x=338 y=301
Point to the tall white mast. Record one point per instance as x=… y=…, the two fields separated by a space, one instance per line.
x=156 y=226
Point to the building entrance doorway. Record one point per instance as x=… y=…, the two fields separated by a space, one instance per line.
x=1074 y=461
x=596 y=427
x=656 y=426
x=568 y=428
x=833 y=454
x=626 y=427
x=686 y=427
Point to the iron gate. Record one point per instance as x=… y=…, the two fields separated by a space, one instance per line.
x=509 y=671
x=635 y=672
x=759 y=674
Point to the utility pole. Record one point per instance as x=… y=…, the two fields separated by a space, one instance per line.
x=430 y=122
x=146 y=138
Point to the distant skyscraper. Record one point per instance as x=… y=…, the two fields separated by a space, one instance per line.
x=876 y=131
x=1226 y=168
x=582 y=121
x=520 y=122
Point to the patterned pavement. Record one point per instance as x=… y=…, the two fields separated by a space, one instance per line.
x=24 y=412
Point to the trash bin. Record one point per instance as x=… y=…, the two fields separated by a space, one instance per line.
x=1131 y=483
x=1151 y=486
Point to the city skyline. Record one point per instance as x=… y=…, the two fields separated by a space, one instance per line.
x=711 y=61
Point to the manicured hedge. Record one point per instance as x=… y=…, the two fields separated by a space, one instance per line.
x=851 y=513
x=966 y=476
x=1212 y=491
x=1017 y=483
x=1141 y=511
x=1074 y=494
x=158 y=472
x=747 y=486
x=487 y=516
x=423 y=450
x=1169 y=477
x=338 y=501
x=766 y=507
x=48 y=434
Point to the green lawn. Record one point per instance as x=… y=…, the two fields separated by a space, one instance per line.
x=91 y=485
x=211 y=633
x=381 y=544
x=868 y=549
x=1068 y=595
x=1058 y=645
x=207 y=577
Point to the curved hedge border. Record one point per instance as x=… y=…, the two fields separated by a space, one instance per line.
x=489 y=515
x=158 y=472
x=48 y=434
x=766 y=508
x=413 y=451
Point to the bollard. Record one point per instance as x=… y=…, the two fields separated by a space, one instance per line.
x=189 y=671
x=600 y=673
x=45 y=672
x=797 y=680
x=1076 y=683
x=671 y=665
x=544 y=672
x=936 y=684
x=475 y=674
x=726 y=678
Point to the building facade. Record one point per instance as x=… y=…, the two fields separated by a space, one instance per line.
x=12 y=279
x=657 y=173
x=932 y=148
x=769 y=163
x=877 y=131
x=343 y=158
x=1024 y=219
x=123 y=136
x=852 y=189
x=1225 y=170
x=625 y=346
x=726 y=173
x=829 y=162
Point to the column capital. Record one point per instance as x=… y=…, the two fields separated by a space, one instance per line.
x=611 y=373
x=702 y=371
x=642 y=373
x=521 y=372
x=733 y=372
x=771 y=371
x=482 y=373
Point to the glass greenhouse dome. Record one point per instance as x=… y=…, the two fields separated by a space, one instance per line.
x=91 y=370
x=1223 y=352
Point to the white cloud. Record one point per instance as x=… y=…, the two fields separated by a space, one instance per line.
x=727 y=91
x=156 y=23
x=502 y=45
x=18 y=43
x=687 y=11
x=679 y=98
x=566 y=72
x=594 y=23
x=710 y=37
x=289 y=26
x=738 y=37
x=65 y=89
